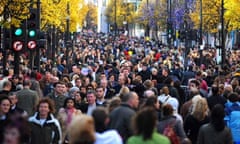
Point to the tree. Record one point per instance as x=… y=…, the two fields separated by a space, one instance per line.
x=124 y=12
x=232 y=15
x=54 y=12
x=13 y=12
x=212 y=13
x=91 y=16
x=153 y=14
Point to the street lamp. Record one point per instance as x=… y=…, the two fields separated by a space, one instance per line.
x=147 y=26
x=201 y=20
x=125 y=27
x=67 y=32
x=223 y=37
x=115 y=19
x=219 y=27
x=169 y=22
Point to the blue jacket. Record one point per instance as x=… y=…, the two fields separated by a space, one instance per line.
x=233 y=122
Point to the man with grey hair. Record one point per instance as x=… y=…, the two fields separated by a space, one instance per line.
x=148 y=93
x=120 y=117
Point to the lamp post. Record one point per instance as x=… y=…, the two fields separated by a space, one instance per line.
x=115 y=19
x=219 y=34
x=218 y=42
x=67 y=32
x=222 y=35
x=200 y=27
x=37 y=61
x=147 y=26
x=169 y=22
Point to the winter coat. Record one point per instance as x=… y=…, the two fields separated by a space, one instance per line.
x=58 y=101
x=120 y=119
x=208 y=135
x=192 y=126
x=27 y=100
x=175 y=122
x=47 y=133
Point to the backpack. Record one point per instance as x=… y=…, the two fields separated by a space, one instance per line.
x=171 y=134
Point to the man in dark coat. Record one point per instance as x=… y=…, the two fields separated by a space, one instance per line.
x=57 y=96
x=120 y=117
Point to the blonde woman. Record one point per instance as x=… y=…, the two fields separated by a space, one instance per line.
x=199 y=115
x=124 y=90
x=81 y=130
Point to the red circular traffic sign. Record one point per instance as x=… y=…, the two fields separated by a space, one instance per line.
x=32 y=45
x=17 y=45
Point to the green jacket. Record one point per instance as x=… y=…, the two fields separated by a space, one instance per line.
x=156 y=139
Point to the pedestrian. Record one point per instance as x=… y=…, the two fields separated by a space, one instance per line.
x=144 y=123
x=45 y=128
x=58 y=95
x=120 y=117
x=104 y=135
x=27 y=98
x=66 y=114
x=169 y=119
x=215 y=132
x=81 y=130
x=100 y=99
x=91 y=103
x=15 y=111
x=17 y=132
x=5 y=105
x=199 y=115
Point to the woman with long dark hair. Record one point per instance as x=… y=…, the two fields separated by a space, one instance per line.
x=215 y=132
x=153 y=102
x=66 y=114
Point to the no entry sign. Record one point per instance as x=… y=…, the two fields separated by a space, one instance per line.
x=32 y=44
x=17 y=45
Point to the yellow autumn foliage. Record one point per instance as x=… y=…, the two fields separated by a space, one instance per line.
x=13 y=12
x=124 y=12
x=211 y=14
x=232 y=15
x=93 y=13
x=159 y=14
x=53 y=12
x=56 y=14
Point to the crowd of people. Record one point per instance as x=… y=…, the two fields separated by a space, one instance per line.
x=116 y=90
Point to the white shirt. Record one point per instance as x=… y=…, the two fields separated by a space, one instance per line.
x=108 y=137
x=167 y=99
x=42 y=121
x=90 y=109
x=100 y=101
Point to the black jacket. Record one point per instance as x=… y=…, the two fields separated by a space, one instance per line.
x=84 y=106
x=48 y=133
x=120 y=119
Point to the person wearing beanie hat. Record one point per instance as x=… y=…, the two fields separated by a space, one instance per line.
x=73 y=91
